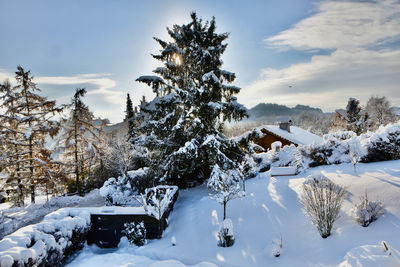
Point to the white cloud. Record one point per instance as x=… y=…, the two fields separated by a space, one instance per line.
x=353 y=69
x=102 y=82
x=104 y=89
x=4 y=75
x=343 y=25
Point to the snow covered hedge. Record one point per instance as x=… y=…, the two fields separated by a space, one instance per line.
x=124 y=190
x=336 y=148
x=47 y=243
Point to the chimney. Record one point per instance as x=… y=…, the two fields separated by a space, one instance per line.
x=285 y=126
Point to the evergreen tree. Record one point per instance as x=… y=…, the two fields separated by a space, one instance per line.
x=80 y=138
x=356 y=121
x=27 y=121
x=194 y=96
x=130 y=117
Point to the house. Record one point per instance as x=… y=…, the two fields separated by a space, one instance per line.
x=286 y=134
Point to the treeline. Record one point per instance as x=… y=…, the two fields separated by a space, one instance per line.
x=176 y=138
x=47 y=147
x=356 y=117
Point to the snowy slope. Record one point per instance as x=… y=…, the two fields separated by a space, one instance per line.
x=271 y=210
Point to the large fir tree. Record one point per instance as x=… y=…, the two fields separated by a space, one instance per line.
x=194 y=96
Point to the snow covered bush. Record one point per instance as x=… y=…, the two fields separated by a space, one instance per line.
x=225 y=234
x=367 y=211
x=355 y=151
x=384 y=144
x=158 y=202
x=276 y=146
x=123 y=190
x=226 y=185
x=136 y=233
x=321 y=200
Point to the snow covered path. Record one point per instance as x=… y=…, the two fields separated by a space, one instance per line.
x=271 y=210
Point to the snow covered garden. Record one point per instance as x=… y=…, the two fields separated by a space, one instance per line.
x=334 y=201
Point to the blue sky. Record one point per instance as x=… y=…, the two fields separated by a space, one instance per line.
x=327 y=51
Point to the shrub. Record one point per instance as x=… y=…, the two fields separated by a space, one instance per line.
x=136 y=233
x=384 y=144
x=225 y=234
x=123 y=190
x=367 y=211
x=321 y=200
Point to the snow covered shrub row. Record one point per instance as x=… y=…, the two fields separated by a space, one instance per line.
x=47 y=243
x=321 y=200
x=225 y=234
x=346 y=147
x=367 y=211
x=136 y=233
x=123 y=190
x=336 y=148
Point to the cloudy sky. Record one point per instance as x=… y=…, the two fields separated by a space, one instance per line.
x=290 y=52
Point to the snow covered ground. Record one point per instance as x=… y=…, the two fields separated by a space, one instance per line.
x=270 y=211
x=15 y=218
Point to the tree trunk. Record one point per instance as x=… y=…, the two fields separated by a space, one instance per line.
x=224 y=211
x=78 y=186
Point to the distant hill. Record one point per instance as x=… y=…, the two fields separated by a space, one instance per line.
x=267 y=110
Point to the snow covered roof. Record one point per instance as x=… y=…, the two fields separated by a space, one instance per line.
x=297 y=135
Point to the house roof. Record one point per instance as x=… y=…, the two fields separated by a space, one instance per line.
x=297 y=135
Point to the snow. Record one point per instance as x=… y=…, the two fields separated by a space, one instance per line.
x=280 y=171
x=28 y=133
x=125 y=256
x=210 y=76
x=297 y=135
x=118 y=210
x=61 y=223
x=16 y=218
x=372 y=256
x=269 y=211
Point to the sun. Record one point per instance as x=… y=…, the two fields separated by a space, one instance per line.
x=177 y=59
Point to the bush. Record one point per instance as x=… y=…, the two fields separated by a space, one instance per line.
x=123 y=190
x=367 y=211
x=136 y=233
x=321 y=200
x=225 y=234
x=384 y=144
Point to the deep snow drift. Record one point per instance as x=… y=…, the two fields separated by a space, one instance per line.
x=271 y=211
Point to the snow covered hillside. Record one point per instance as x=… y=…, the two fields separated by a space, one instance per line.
x=271 y=211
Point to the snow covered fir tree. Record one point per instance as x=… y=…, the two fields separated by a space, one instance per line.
x=194 y=97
